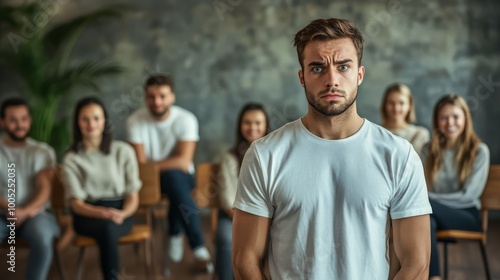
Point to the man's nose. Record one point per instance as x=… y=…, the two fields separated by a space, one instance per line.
x=331 y=77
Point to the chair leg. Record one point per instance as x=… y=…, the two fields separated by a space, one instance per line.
x=150 y=271
x=445 y=245
x=81 y=259
x=60 y=266
x=485 y=260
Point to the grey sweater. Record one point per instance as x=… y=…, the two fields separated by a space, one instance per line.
x=92 y=175
x=447 y=190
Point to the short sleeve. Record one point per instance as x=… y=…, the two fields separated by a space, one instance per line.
x=131 y=167
x=46 y=157
x=188 y=129
x=410 y=194
x=252 y=195
x=72 y=178
x=133 y=131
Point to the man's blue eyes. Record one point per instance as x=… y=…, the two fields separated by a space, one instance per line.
x=320 y=69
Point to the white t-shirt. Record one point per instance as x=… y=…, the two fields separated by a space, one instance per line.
x=29 y=160
x=330 y=200
x=160 y=137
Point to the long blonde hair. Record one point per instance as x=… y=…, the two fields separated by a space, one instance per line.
x=467 y=143
x=405 y=91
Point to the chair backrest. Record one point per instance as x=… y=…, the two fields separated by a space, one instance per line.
x=490 y=199
x=149 y=193
x=58 y=202
x=207 y=187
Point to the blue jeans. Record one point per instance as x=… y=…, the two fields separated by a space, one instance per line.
x=106 y=234
x=444 y=217
x=39 y=233
x=223 y=243
x=183 y=212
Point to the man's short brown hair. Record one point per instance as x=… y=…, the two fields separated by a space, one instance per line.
x=328 y=29
x=159 y=80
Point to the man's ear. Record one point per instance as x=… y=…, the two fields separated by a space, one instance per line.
x=301 y=77
x=361 y=74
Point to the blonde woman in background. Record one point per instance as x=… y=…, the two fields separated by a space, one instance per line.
x=398 y=116
x=456 y=165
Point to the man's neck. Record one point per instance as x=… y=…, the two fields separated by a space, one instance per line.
x=162 y=117
x=14 y=144
x=333 y=127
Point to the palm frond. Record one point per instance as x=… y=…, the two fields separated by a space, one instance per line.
x=84 y=74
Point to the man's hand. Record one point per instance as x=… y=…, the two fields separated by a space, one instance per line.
x=22 y=215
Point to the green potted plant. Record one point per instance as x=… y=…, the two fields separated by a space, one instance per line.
x=38 y=51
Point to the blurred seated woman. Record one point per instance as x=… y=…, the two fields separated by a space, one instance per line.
x=102 y=182
x=398 y=116
x=253 y=124
x=456 y=167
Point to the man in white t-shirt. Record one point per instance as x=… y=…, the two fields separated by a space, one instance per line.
x=23 y=198
x=319 y=194
x=167 y=134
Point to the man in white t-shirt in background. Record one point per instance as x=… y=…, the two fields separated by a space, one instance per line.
x=21 y=161
x=324 y=189
x=167 y=134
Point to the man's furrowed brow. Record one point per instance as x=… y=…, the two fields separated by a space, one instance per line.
x=316 y=63
x=343 y=61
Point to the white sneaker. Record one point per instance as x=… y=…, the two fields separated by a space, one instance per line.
x=175 y=248
x=203 y=259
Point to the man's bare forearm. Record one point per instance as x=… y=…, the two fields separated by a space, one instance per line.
x=3 y=204
x=413 y=271
x=245 y=270
x=174 y=162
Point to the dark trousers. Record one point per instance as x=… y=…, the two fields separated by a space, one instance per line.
x=106 y=234
x=183 y=212
x=444 y=217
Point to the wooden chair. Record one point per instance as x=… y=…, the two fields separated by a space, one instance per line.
x=490 y=200
x=206 y=192
x=149 y=195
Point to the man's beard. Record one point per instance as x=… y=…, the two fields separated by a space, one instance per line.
x=16 y=138
x=332 y=109
x=159 y=114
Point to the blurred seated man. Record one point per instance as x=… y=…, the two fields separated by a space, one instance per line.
x=23 y=201
x=167 y=134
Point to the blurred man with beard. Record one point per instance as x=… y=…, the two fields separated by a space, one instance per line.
x=21 y=160
x=166 y=135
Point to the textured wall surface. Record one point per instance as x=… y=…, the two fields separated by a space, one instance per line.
x=225 y=53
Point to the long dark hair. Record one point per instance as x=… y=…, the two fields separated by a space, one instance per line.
x=241 y=146
x=77 y=144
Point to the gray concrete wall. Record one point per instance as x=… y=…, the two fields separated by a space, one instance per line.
x=221 y=59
